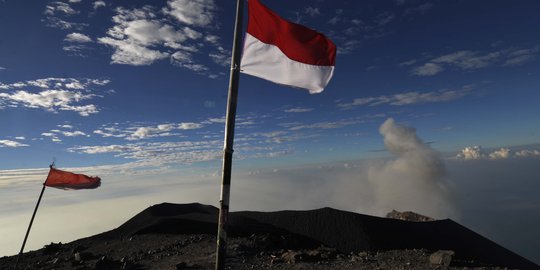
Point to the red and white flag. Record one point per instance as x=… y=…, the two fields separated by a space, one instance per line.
x=286 y=53
x=68 y=180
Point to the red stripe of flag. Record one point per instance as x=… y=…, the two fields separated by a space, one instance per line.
x=297 y=42
x=68 y=180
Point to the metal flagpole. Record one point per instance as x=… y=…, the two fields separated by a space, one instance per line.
x=229 y=139
x=29 y=227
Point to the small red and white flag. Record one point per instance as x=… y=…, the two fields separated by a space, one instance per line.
x=286 y=53
x=68 y=180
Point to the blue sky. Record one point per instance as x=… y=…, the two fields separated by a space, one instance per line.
x=128 y=89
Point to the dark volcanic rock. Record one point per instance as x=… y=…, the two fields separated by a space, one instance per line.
x=182 y=236
x=351 y=232
x=52 y=248
x=408 y=216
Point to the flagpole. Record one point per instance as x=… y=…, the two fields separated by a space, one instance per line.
x=229 y=139
x=30 y=226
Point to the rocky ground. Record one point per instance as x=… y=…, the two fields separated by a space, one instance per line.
x=171 y=236
x=166 y=251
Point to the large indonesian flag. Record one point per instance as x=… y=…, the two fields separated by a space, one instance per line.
x=286 y=53
x=67 y=180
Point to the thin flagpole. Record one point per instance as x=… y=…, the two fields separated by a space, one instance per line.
x=229 y=139
x=29 y=227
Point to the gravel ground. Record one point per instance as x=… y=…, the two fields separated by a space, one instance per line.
x=258 y=251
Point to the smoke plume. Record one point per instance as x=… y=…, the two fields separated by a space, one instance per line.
x=414 y=179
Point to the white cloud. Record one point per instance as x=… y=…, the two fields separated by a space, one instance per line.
x=8 y=143
x=73 y=133
x=185 y=60
x=221 y=56
x=54 y=137
x=110 y=132
x=20 y=138
x=468 y=59
x=409 y=98
x=384 y=18
x=476 y=152
x=311 y=11
x=52 y=96
x=325 y=125
x=298 y=110
x=102 y=149
x=55 y=22
x=348 y=46
x=160 y=153
x=427 y=69
x=140 y=38
x=98 y=4
x=192 y=12
x=77 y=37
x=138 y=132
x=500 y=154
x=56 y=7
x=189 y=125
x=2 y=68
x=471 y=152
x=407 y=63
x=528 y=153
x=471 y=60
x=52 y=100
x=130 y=53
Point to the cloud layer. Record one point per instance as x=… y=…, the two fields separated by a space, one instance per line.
x=477 y=152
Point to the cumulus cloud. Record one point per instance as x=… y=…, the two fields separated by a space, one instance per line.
x=98 y=4
x=471 y=60
x=73 y=133
x=471 y=152
x=130 y=53
x=409 y=98
x=53 y=94
x=52 y=100
x=52 y=135
x=500 y=154
x=140 y=37
x=77 y=37
x=527 y=153
x=192 y=12
x=477 y=152
x=9 y=143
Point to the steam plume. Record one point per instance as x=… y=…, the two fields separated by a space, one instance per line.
x=414 y=180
